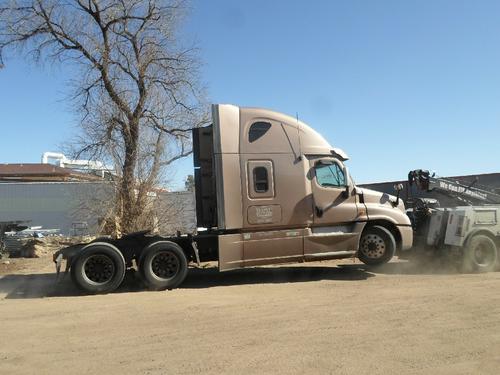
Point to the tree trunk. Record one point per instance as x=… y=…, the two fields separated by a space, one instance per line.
x=127 y=186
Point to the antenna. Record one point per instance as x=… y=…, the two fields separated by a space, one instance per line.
x=298 y=133
x=289 y=141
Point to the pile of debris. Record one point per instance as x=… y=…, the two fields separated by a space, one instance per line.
x=39 y=247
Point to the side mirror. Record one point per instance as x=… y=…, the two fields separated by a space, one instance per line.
x=347 y=192
x=398 y=188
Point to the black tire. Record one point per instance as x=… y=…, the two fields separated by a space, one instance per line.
x=376 y=246
x=99 y=268
x=480 y=254
x=163 y=265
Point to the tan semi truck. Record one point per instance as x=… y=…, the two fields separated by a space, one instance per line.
x=269 y=189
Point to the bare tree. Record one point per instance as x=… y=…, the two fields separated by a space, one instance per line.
x=137 y=88
x=189 y=183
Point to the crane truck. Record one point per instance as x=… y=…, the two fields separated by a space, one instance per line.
x=269 y=189
x=469 y=232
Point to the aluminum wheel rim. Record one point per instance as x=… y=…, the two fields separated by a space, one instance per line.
x=99 y=269
x=165 y=265
x=373 y=246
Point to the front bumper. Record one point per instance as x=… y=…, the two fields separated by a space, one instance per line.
x=406 y=236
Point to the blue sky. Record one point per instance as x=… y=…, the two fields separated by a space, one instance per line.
x=399 y=85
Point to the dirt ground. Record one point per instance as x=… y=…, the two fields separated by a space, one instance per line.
x=318 y=318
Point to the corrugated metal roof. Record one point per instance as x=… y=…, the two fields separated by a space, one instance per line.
x=32 y=169
x=38 y=171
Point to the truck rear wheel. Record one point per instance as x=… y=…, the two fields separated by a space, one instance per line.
x=377 y=245
x=480 y=254
x=163 y=265
x=99 y=268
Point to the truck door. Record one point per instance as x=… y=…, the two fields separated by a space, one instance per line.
x=268 y=242
x=335 y=207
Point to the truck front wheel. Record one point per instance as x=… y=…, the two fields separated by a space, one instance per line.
x=480 y=254
x=377 y=245
x=163 y=265
x=99 y=268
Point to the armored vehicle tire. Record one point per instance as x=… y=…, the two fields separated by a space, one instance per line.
x=480 y=254
x=163 y=265
x=99 y=268
x=377 y=245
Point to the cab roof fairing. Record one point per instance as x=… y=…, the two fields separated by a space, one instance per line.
x=311 y=142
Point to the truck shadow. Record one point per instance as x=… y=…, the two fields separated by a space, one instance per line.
x=42 y=285
x=211 y=277
x=413 y=267
x=19 y=286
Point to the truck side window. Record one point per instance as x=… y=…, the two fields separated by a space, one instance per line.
x=257 y=130
x=260 y=180
x=330 y=175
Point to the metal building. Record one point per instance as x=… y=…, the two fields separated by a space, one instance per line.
x=52 y=205
x=75 y=203
x=77 y=207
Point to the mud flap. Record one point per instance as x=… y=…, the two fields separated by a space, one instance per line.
x=58 y=262
x=68 y=254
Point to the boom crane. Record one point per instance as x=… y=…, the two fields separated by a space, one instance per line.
x=469 y=194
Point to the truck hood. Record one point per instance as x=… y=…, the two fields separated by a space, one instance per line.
x=372 y=197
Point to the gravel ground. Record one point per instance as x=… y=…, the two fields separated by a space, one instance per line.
x=317 y=318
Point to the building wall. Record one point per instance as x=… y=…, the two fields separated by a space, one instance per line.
x=176 y=212
x=62 y=205
x=52 y=205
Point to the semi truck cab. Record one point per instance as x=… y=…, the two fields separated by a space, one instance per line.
x=276 y=191
x=269 y=189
